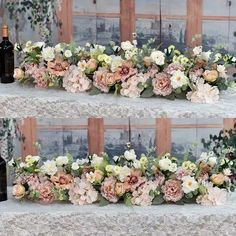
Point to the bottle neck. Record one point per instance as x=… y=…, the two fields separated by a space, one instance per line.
x=5 y=38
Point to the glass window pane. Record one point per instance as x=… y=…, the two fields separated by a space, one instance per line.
x=108 y=29
x=220 y=33
x=84 y=6
x=144 y=7
x=173 y=32
x=108 y=6
x=219 y=8
x=84 y=28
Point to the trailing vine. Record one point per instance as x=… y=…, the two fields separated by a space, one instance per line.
x=39 y=13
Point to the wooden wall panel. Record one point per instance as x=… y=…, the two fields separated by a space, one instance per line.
x=163 y=135
x=29 y=132
x=194 y=21
x=95 y=135
x=127 y=19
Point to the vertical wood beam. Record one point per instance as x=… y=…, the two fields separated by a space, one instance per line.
x=163 y=135
x=228 y=123
x=194 y=21
x=96 y=135
x=127 y=19
x=66 y=18
x=29 y=133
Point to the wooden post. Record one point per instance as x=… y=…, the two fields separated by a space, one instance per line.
x=96 y=135
x=127 y=19
x=29 y=133
x=194 y=21
x=66 y=18
x=229 y=123
x=163 y=135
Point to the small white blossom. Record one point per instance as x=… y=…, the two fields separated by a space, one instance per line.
x=75 y=166
x=227 y=172
x=48 y=54
x=197 y=50
x=178 y=79
x=158 y=57
x=130 y=155
x=68 y=53
x=62 y=160
x=127 y=45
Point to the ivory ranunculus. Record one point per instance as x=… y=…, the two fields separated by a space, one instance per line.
x=18 y=191
x=19 y=74
x=218 y=179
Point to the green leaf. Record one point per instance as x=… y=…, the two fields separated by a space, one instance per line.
x=147 y=93
x=103 y=201
x=127 y=199
x=158 y=200
x=94 y=91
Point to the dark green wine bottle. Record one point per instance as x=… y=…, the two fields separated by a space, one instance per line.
x=3 y=180
x=6 y=58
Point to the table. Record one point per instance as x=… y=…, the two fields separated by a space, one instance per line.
x=21 y=101
x=31 y=219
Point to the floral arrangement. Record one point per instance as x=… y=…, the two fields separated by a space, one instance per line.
x=148 y=180
x=126 y=70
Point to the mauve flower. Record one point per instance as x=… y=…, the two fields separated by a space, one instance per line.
x=82 y=192
x=134 y=180
x=181 y=172
x=159 y=178
x=204 y=93
x=126 y=70
x=172 y=190
x=62 y=180
x=39 y=77
x=195 y=74
x=75 y=80
x=57 y=67
x=99 y=80
x=141 y=196
x=31 y=180
x=130 y=87
x=45 y=192
x=108 y=190
x=173 y=67
x=162 y=84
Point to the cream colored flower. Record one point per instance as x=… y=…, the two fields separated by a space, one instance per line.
x=75 y=166
x=158 y=57
x=178 y=79
x=130 y=155
x=48 y=54
x=189 y=184
x=49 y=167
x=197 y=50
x=18 y=191
x=96 y=161
x=68 y=53
x=218 y=179
x=62 y=160
x=127 y=45
x=19 y=74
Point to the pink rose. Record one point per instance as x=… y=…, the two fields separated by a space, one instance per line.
x=172 y=190
x=162 y=84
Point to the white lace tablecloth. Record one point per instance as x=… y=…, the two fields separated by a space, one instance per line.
x=18 y=102
x=29 y=219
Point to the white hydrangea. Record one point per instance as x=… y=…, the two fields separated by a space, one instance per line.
x=127 y=45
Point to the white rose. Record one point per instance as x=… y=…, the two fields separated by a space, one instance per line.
x=96 y=161
x=127 y=45
x=158 y=57
x=173 y=167
x=178 y=79
x=49 y=167
x=62 y=160
x=130 y=155
x=227 y=172
x=22 y=165
x=212 y=160
x=137 y=164
x=197 y=50
x=11 y=162
x=58 y=48
x=68 y=53
x=221 y=68
x=48 y=54
x=39 y=44
x=75 y=166
x=116 y=158
x=165 y=164
x=116 y=170
x=124 y=172
x=82 y=161
x=206 y=55
x=189 y=184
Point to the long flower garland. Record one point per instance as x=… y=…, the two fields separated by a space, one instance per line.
x=127 y=70
x=145 y=181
